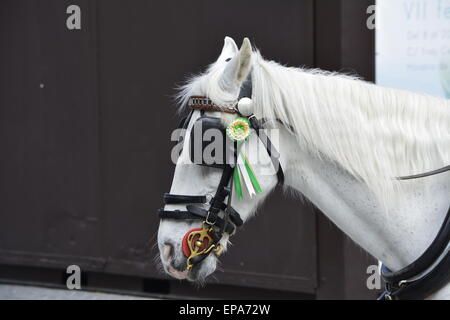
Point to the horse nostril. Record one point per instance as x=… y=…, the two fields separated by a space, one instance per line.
x=167 y=253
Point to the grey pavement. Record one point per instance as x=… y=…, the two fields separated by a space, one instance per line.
x=19 y=292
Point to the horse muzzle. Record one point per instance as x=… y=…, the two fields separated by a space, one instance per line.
x=198 y=243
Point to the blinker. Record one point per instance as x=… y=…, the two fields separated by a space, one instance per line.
x=208 y=143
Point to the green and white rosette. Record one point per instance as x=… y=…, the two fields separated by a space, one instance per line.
x=238 y=130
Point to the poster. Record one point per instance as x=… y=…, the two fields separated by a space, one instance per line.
x=413 y=45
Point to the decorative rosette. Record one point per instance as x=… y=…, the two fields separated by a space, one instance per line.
x=239 y=129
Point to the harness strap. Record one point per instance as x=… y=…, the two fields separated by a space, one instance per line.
x=271 y=150
x=178 y=199
x=181 y=199
x=424 y=285
x=234 y=215
x=247 y=91
x=194 y=213
x=247 y=88
x=426 y=174
x=222 y=192
x=415 y=279
x=216 y=234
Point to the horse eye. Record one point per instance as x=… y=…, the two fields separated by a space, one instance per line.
x=227 y=59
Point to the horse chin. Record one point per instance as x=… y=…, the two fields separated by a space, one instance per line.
x=199 y=273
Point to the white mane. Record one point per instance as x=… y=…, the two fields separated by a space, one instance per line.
x=372 y=132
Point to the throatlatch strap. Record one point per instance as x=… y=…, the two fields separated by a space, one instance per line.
x=271 y=150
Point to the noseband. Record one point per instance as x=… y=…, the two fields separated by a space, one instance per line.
x=198 y=243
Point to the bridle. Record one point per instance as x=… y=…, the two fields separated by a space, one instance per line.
x=427 y=274
x=198 y=243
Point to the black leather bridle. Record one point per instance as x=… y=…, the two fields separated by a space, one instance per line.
x=214 y=226
x=429 y=273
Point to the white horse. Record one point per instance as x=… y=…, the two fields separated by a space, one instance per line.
x=345 y=141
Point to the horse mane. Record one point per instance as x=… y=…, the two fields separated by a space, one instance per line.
x=374 y=133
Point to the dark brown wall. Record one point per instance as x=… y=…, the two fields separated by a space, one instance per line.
x=49 y=138
x=343 y=43
x=85 y=156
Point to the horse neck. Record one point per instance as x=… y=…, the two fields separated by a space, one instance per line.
x=395 y=235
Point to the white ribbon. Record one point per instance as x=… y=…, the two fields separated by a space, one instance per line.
x=245 y=176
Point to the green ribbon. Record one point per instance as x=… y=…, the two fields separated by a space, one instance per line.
x=237 y=183
x=251 y=174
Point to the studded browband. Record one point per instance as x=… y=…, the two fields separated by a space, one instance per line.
x=206 y=104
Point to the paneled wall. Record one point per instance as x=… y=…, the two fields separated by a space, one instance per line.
x=86 y=117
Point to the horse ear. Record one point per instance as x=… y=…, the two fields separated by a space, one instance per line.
x=237 y=68
x=229 y=49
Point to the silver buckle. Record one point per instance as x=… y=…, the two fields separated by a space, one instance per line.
x=207 y=219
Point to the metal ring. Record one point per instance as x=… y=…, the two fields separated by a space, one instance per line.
x=402 y=283
x=207 y=219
